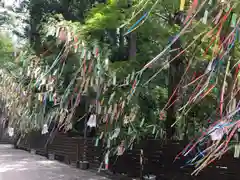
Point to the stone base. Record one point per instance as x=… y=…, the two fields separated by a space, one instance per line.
x=51 y=156
x=33 y=151
x=84 y=165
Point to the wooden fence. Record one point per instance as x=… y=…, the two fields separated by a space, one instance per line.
x=158 y=157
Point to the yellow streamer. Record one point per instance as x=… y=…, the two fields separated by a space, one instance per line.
x=182 y=4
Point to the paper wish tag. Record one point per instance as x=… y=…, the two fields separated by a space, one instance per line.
x=92 y=121
x=120 y=150
x=237 y=151
x=205 y=17
x=217 y=134
x=69 y=126
x=116 y=133
x=45 y=129
x=11 y=131
x=28 y=72
x=209 y=67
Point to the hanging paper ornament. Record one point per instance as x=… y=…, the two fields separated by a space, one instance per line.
x=24 y=93
x=109 y=109
x=112 y=118
x=132 y=76
x=114 y=78
x=234 y=20
x=83 y=52
x=90 y=67
x=101 y=80
x=101 y=135
x=133 y=118
x=69 y=126
x=75 y=43
x=55 y=98
x=92 y=82
x=215 y=90
x=191 y=10
x=92 y=121
x=118 y=31
x=109 y=83
x=99 y=108
x=123 y=105
x=106 y=161
x=237 y=151
x=162 y=115
x=108 y=143
x=209 y=67
x=142 y=122
x=39 y=97
x=96 y=142
x=216 y=20
x=43 y=82
x=127 y=79
x=57 y=31
x=121 y=149
x=62 y=34
x=96 y=51
x=154 y=130
x=10 y=131
x=205 y=17
x=106 y=63
x=37 y=72
x=45 y=129
x=210 y=2
x=45 y=98
x=89 y=54
x=105 y=110
x=51 y=98
x=118 y=114
x=86 y=85
x=129 y=128
x=111 y=98
x=105 y=119
x=51 y=84
x=55 y=72
x=69 y=35
x=228 y=7
x=115 y=108
x=115 y=133
x=217 y=134
x=28 y=72
x=97 y=81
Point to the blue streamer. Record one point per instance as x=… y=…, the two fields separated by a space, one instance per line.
x=136 y=23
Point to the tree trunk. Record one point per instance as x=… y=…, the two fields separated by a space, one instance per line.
x=132 y=46
x=176 y=70
x=121 y=50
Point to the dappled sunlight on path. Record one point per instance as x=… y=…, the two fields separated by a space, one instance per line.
x=21 y=165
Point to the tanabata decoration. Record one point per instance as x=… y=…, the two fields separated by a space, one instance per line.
x=92 y=121
x=45 y=129
x=10 y=131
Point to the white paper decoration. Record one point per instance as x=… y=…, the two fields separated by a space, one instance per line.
x=45 y=129
x=237 y=151
x=92 y=121
x=116 y=133
x=217 y=134
x=11 y=131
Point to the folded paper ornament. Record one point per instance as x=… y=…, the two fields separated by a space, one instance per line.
x=11 y=131
x=92 y=121
x=45 y=129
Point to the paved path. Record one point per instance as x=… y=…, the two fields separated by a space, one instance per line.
x=20 y=165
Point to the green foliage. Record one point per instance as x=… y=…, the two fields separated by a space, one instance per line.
x=6 y=49
x=105 y=25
